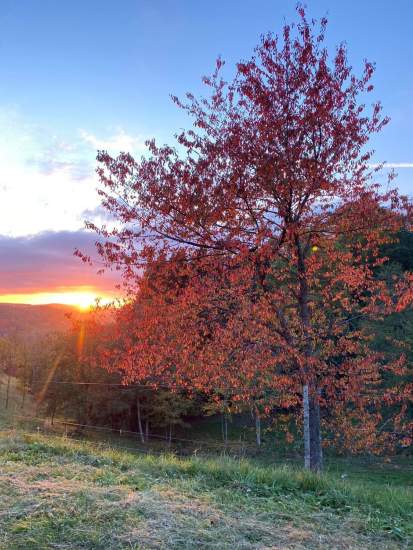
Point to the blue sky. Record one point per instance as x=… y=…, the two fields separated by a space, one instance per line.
x=102 y=64
x=78 y=75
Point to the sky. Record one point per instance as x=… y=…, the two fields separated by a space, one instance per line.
x=79 y=75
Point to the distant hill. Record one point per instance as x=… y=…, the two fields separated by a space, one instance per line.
x=27 y=319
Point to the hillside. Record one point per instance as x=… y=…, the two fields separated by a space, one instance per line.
x=61 y=493
x=24 y=319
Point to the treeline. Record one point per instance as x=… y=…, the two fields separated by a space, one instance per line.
x=67 y=376
x=62 y=377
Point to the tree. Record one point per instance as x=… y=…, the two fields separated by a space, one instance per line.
x=11 y=360
x=269 y=212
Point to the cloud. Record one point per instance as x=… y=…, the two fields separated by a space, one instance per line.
x=61 y=157
x=393 y=165
x=35 y=199
x=45 y=261
x=77 y=170
x=98 y=215
x=118 y=142
x=47 y=181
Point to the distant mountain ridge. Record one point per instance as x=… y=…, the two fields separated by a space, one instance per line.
x=20 y=319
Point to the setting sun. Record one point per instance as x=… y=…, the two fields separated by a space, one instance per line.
x=81 y=298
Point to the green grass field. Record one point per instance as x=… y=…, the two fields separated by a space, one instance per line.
x=60 y=493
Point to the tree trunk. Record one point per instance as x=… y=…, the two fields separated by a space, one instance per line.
x=306 y=413
x=313 y=454
x=8 y=391
x=23 y=396
x=258 y=428
x=147 y=429
x=311 y=407
x=224 y=426
x=139 y=419
x=85 y=419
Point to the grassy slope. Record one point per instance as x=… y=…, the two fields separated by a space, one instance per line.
x=59 y=493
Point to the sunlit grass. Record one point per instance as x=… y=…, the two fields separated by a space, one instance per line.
x=81 y=495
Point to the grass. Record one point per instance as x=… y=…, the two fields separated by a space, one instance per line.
x=60 y=493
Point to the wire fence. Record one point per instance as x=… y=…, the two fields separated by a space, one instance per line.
x=152 y=442
x=179 y=445
x=239 y=452
x=123 y=432
x=151 y=386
